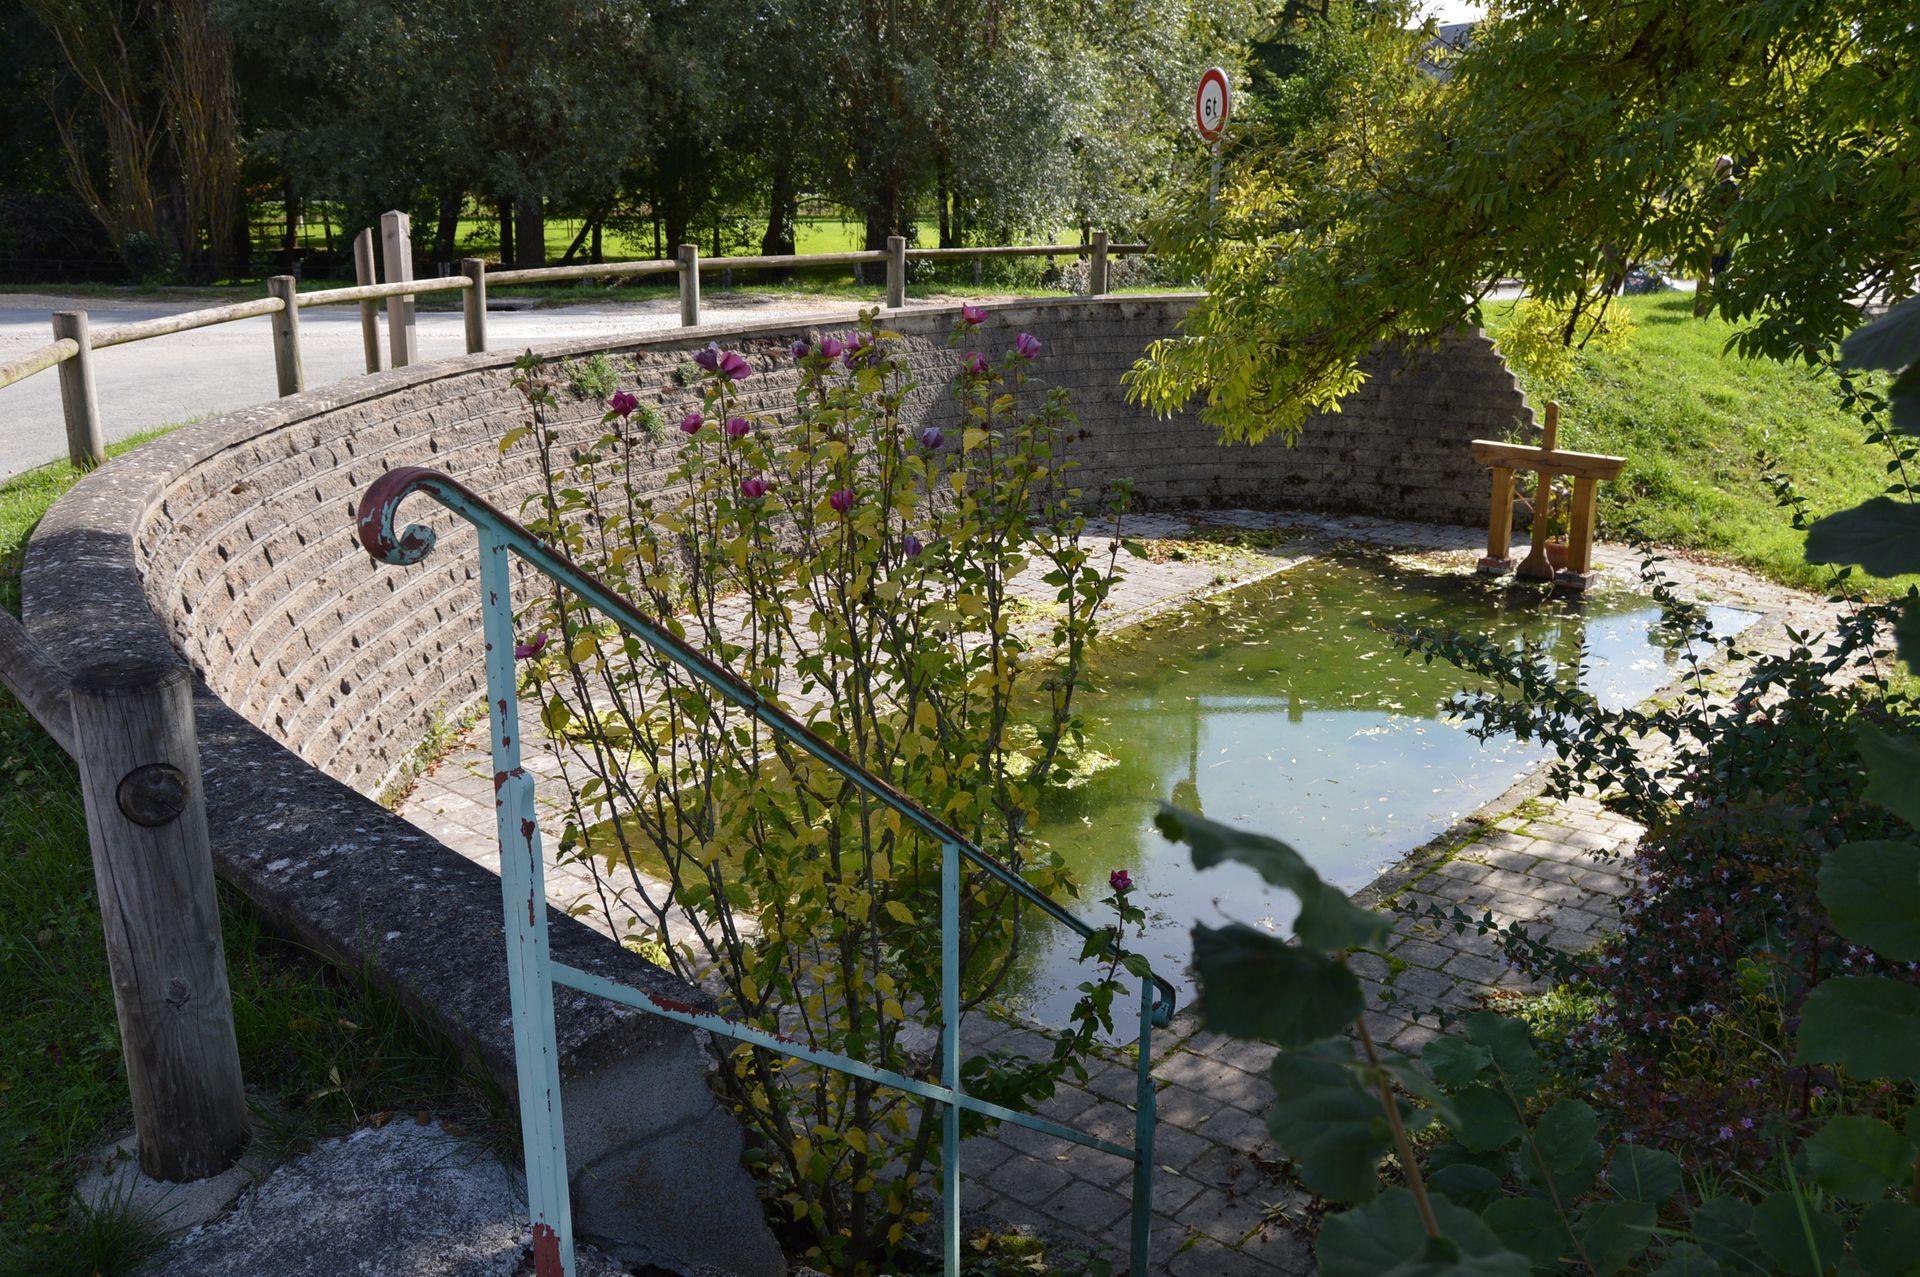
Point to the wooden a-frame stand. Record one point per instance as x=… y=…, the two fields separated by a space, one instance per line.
x=1585 y=468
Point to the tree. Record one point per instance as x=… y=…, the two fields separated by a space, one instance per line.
x=149 y=126
x=1567 y=141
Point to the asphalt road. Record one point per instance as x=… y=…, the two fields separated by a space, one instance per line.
x=185 y=376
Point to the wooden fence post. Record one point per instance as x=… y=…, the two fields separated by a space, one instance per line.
x=1097 y=266
x=475 y=303
x=147 y=824
x=86 y=446
x=396 y=256
x=689 y=286
x=896 y=271
x=286 y=335
x=363 y=274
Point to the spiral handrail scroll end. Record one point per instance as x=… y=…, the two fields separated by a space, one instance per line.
x=378 y=510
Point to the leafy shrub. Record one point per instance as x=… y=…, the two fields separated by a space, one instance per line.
x=861 y=577
x=592 y=377
x=1535 y=339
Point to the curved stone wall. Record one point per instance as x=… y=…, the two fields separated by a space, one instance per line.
x=249 y=558
x=231 y=542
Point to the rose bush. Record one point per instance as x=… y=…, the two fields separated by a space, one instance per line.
x=863 y=576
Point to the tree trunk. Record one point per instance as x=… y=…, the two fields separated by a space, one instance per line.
x=290 y=238
x=942 y=196
x=530 y=231
x=506 y=232
x=446 y=230
x=782 y=238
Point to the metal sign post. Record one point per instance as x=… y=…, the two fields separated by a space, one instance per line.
x=1212 y=105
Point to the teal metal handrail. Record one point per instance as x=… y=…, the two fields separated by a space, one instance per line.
x=531 y=971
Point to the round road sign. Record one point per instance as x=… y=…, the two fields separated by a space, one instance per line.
x=1212 y=104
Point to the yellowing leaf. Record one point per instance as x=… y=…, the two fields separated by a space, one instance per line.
x=899 y=913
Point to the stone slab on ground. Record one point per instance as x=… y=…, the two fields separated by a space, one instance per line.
x=113 y=1180
x=403 y=1200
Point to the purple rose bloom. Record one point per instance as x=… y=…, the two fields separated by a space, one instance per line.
x=932 y=437
x=691 y=423
x=1120 y=880
x=842 y=499
x=973 y=315
x=860 y=350
x=754 y=489
x=973 y=362
x=531 y=648
x=735 y=365
x=800 y=349
x=623 y=404
x=710 y=357
x=1026 y=345
x=831 y=347
x=737 y=428
x=911 y=546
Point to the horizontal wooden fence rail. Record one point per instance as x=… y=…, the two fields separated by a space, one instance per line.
x=71 y=351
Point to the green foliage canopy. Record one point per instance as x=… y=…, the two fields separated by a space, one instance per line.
x=1566 y=142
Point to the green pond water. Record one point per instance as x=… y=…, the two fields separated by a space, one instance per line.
x=1280 y=708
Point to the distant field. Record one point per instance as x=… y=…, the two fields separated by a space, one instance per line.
x=479 y=235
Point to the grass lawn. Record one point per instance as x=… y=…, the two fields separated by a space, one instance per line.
x=321 y=1051
x=1694 y=422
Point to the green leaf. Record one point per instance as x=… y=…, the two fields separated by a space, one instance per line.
x=1881 y=535
x=1801 y=1240
x=1474 y=1187
x=1644 y=1174
x=1255 y=985
x=1512 y=1049
x=1872 y=894
x=1612 y=1233
x=1903 y=401
x=1887 y=1240
x=1386 y=1237
x=1564 y=1135
x=1455 y=1062
x=1724 y=1225
x=1328 y=919
x=1328 y=1122
x=1889 y=342
x=1531 y=1226
x=1684 y=1259
x=1858 y=1158
x=1893 y=770
x=1484 y=1119
x=1906 y=635
x=1868 y=1025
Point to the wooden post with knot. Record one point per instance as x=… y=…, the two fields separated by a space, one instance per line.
x=139 y=756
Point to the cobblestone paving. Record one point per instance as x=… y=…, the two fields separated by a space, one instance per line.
x=1223 y=1207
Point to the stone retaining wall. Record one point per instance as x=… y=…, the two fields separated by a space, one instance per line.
x=231 y=541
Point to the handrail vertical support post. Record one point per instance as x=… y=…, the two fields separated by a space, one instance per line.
x=363 y=275
x=396 y=253
x=523 y=897
x=1144 y=1118
x=86 y=446
x=475 y=303
x=896 y=271
x=286 y=335
x=689 y=286
x=1097 y=266
x=950 y=1052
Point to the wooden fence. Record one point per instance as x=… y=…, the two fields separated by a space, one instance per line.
x=74 y=342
